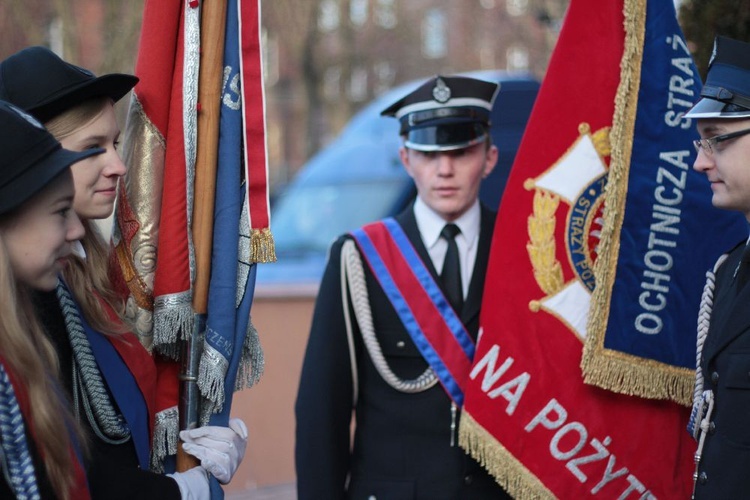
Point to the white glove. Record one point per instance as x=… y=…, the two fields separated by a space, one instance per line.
x=220 y=449
x=193 y=484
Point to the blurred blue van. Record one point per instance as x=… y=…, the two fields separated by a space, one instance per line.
x=358 y=178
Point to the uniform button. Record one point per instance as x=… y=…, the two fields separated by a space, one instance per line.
x=468 y=479
x=715 y=377
x=711 y=428
x=400 y=344
x=703 y=478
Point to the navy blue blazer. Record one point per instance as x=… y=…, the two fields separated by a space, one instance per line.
x=725 y=363
x=401 y=447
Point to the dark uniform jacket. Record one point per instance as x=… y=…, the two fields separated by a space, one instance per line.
x=725 y=463
x=402 y=442
x=112 y=469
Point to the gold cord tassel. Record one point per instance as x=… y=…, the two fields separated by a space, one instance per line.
x=262 y=247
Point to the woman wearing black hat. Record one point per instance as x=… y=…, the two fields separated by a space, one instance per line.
x=37 y=230
x=78 y=108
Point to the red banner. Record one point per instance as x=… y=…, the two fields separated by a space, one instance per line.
x=150 y=218
x=528 y=416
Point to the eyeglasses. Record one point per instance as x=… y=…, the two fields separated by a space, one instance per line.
x=707 y=145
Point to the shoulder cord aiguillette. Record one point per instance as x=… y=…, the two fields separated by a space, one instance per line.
x=353 y=274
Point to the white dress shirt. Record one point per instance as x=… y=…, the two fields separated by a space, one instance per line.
x=430 y=224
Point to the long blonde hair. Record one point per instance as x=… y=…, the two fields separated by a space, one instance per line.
x=89 y=279
x=32 y=358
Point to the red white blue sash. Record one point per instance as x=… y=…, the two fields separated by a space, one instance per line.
x=419 y=302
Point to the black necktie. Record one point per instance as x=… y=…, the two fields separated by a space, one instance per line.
x=743 y=269
x=451 y=275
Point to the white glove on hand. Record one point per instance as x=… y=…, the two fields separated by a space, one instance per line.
x=193 y=484
x=219 y=449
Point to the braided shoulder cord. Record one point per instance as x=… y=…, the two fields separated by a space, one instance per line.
x=360 y=301
x=704 y=322
x=106 y=422
x=348 y=323
x=14 y=450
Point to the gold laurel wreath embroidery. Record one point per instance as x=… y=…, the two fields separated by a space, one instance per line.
x=541 y=225
x=541 y=247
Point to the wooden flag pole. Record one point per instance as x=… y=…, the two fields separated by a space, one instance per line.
x=210 y=82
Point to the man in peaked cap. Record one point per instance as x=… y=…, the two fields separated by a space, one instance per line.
x=722 y=406
x=386 y=347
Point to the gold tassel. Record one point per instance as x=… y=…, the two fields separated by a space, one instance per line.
x=262 y=247
x=509 y=473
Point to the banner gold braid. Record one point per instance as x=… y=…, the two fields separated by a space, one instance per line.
x=602 y=367
x=136 y=229
x=514 y=477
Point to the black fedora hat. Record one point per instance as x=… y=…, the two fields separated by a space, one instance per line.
x=30 y=157
x=40 y=82
x=445 y=113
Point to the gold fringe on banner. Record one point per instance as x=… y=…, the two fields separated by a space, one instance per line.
x=516 y=479
x=262 y=247
x=602 y=367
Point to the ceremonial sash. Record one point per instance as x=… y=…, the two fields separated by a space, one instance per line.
x=419 y=302
x=139 y=362
x=125 y=390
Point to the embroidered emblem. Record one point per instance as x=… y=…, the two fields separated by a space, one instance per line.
x=578 y=178
x=441 y=92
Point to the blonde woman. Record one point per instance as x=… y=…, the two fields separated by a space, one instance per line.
x=41 y=453
x=80 y=317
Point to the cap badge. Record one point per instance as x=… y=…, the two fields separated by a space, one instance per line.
x=441 y=92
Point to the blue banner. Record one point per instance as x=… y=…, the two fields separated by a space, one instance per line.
x=669 y=232
x=232 y=284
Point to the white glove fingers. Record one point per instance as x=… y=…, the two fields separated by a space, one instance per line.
x=217 y=471
x=209 y=431
x=203 y=453
x=211 y=443
x=219 y=449
x=238 y=426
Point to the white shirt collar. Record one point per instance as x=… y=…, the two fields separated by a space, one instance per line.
x=430 y=223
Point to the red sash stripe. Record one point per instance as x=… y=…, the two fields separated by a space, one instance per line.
x=431 y=322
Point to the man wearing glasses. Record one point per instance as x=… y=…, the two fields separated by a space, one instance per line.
x=722 y=406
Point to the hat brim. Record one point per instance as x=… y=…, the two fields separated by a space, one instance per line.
x=41 y=173
x=711 y=108
x=114 y=85
x=445 y=137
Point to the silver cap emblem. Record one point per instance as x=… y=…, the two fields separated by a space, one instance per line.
x=441 y=92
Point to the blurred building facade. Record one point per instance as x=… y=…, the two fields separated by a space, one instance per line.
x=327 y=58
x=324 y=59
